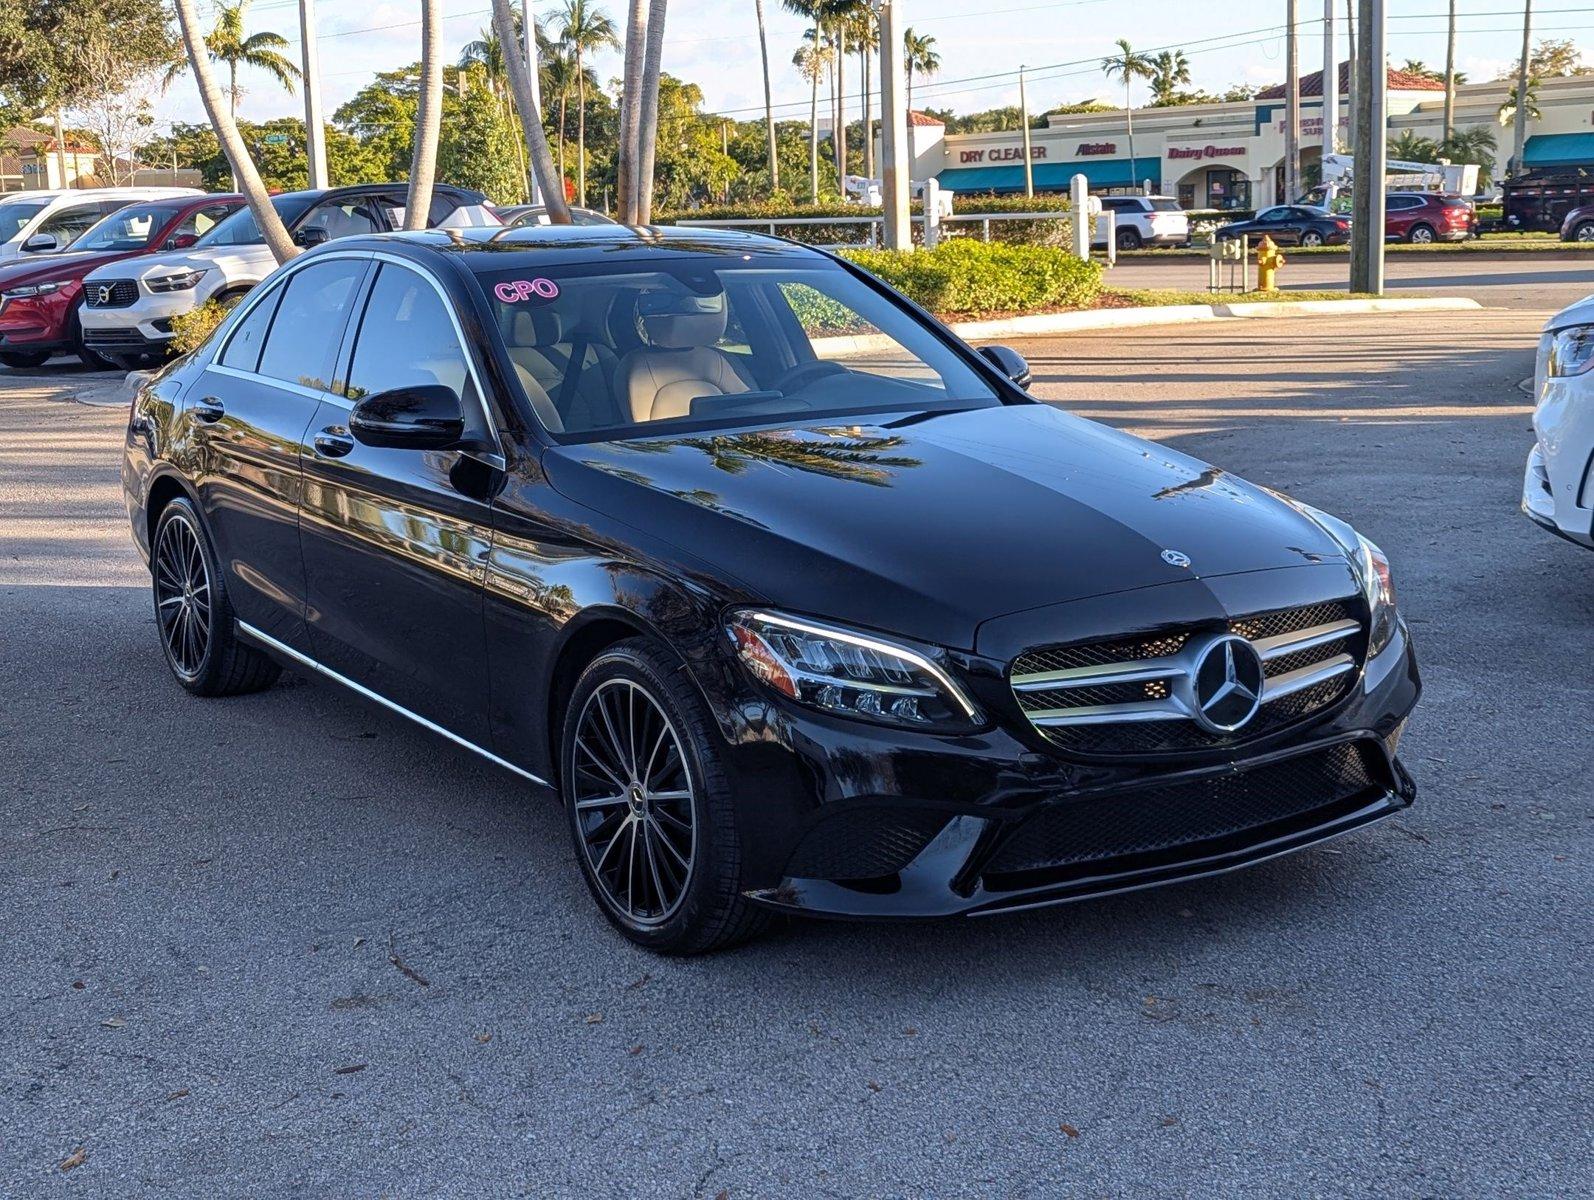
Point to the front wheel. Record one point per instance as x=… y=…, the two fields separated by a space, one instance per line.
x=198 y=633
x=1584 y=232
x=92 y=359
x=1311 y=239
x=649 y=806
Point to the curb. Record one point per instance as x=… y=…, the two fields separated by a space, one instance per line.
x=1182 y=314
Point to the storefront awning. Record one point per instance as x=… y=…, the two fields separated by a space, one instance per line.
x=1052 y=177
x=1558 y=149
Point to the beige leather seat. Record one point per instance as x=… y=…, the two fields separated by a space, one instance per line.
x=679 y=362
x=539 y=343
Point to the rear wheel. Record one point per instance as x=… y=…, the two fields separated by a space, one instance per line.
x=1421 y=235
x=1129 y=239
x=1311 y=239
x=198 y=633
x=649 y=806
x=24 y=360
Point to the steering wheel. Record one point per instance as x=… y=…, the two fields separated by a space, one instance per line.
x=803 y=374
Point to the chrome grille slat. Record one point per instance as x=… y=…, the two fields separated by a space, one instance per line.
x=1135 y=694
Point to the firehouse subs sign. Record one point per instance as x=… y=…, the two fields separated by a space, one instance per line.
x=1206 y=151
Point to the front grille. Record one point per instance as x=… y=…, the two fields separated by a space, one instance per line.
x=1185 y=815
x=1135 y=695
x=116 y=293
x=864 y=843
x=115 y=339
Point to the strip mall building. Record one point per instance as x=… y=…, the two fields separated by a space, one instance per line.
x=1231 y=155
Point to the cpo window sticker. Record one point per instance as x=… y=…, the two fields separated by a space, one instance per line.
x=523 y=291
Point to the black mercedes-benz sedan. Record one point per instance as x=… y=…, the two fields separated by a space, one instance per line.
x=797 y=601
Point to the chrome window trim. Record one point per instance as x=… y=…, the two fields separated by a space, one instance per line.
x=258 y=292
x=304 y=660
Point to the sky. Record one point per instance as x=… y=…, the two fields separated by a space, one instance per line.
x=714 y=43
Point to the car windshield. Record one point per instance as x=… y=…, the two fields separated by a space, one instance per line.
x=635 y=348
x=240 y=229
x=125 y=229
x=14 y=214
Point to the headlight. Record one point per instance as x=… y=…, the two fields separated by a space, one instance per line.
x=849 y=673
x=180 y=282
x=1372 y=571
x=1571 y=351
x=30 y=289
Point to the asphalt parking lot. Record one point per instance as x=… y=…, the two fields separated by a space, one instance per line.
x=287 y=945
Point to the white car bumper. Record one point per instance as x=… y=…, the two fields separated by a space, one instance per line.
x=1558 y=485
x=150 y=314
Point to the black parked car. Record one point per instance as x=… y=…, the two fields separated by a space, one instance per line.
x=793 y=619
x=1291 y=225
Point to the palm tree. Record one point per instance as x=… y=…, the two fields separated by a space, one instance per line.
x=1475 y=145
x=1128 y=66
x=245 y=176
x=769 y=102
x=487 y=54
x=636 y=36
x=1508 y=108
x=428 y=117
x=559 y=73
x=919 y=57
x=552 y=189
x=227 y=43
x=1411 y=146
x=583 y=29
x=866 y=40
x=1522 y=98
x=1170 y=72
x=648 y=146
x=810 y=60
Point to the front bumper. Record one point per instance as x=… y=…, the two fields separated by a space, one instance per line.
x=1558 y=481
x=150 y=315
x=982 y=824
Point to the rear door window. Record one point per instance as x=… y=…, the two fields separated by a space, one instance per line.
x=243 y=349
x=302 y=345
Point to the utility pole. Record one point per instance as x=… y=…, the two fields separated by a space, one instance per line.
x=528 y=32
x=1330 y=83
x=894 y=124
x=1292 y=104
x=1023 y=107
x=314 y=133
x=1450 y=76
x=1372 y=152
x=1520 y=141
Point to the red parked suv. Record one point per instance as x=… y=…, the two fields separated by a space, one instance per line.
x=1428 y=217
x=40 y=295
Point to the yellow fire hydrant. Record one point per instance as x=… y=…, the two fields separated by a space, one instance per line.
x=1269 y=258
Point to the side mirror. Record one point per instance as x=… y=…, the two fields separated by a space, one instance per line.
x=40 y=243
x=310 y=235
x=1009 y=362
x=180 y=241
x=427 y=416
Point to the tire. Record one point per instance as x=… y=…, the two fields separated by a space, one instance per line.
x=1583 y=232
x=1128 y=239
x=628 y=821
x=122 y=362
x=1311 y=239
x=229 y=299
x=92 y=359
x=199 y=640
x=24 y=360
x=1422 y=235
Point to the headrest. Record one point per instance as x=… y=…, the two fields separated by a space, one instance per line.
x=678 y=321
x=537 y=327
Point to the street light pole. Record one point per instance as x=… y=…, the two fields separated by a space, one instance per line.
x=314 y=132
x=1292 y=104
x=894 y=124
x=1372 y=152
x=1023 y=106
x=528 y=31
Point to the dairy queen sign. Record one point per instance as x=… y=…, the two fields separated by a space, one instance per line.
x=1206 y=152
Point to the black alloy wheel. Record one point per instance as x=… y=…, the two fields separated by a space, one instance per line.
x=193 y=614
x=649 y=807
x=1129 y=239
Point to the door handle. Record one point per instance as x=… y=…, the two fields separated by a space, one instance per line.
x=209 y=410
x=333 y=443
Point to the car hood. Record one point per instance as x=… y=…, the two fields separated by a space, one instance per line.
x=927 y=525
x=65 y=265
x=1581 y=313
x=240 y=262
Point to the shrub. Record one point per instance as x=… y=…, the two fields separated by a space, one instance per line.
x=192 y=329
x=1035 y=233
x=963 y=277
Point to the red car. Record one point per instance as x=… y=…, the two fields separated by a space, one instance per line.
x=1428 y=217
x=41 y=294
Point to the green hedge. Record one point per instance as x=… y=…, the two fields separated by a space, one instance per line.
x=1029 y=233
x=967 y=278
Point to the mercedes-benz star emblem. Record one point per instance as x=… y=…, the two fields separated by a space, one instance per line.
x=1176 y=558
x=1228 y=684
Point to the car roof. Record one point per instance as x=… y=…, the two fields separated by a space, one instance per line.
x=544 y=244
x=377 y=189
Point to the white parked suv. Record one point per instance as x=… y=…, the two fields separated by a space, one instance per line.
x=46 y=222
x=129 y=306
x=1147 y=221
x=1558 y=488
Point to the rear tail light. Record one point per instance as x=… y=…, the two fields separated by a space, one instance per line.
x=1341 y=225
